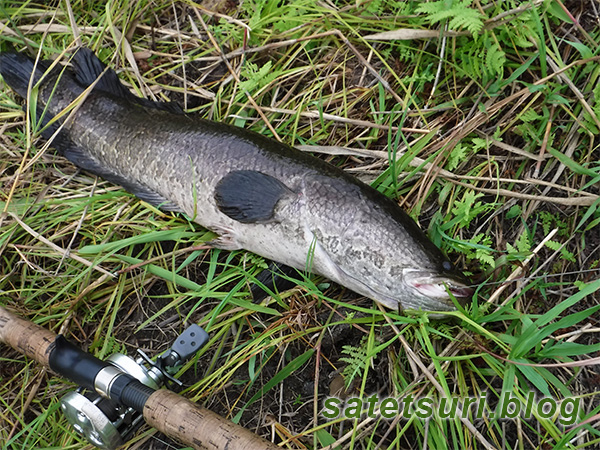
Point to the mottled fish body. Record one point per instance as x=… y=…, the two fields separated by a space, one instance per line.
x=256 y=193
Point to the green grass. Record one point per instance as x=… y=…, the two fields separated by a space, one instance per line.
x=487 y=136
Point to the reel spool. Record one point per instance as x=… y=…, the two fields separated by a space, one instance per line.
x=107 y=424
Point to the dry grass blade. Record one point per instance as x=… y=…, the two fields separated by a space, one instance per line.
x=64 y=253
x=404 y=34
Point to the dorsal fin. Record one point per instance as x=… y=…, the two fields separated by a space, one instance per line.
x=88 y=68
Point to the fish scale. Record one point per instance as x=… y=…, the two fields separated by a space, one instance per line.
x=256 y=193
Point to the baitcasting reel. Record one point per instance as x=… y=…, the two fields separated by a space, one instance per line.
x=107 y=424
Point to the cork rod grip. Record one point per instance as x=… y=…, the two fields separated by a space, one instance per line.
x=26 y=337
x=198 y=427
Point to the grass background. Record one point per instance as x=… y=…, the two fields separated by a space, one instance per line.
x=479 y=117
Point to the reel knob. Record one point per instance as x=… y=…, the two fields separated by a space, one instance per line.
x=90 y=421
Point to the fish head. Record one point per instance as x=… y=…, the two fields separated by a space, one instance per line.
x=380 y=252
x=405 y=270
x=412 y=279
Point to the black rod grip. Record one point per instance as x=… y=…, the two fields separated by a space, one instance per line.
x=73 y=363
x=135 y=395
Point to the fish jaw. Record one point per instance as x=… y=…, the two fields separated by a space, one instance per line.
x=426 y=283
x=425 y=293
x=435 y=291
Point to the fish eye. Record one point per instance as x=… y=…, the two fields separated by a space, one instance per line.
x=447 y=265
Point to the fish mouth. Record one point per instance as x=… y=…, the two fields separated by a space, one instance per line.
x=438 y=289
x=429 y=292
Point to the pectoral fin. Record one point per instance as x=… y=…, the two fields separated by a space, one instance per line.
x=249 y=196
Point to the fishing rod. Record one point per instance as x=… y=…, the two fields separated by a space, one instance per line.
x=117 y=395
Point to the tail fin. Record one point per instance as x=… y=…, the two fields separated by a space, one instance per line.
x=66 y=85
x=17 y=69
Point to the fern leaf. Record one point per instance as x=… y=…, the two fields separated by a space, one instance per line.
x=430 y=7
x=440 y=16
x=459 y=14
x=494 y=60
x=523 y=243
x=467 y=18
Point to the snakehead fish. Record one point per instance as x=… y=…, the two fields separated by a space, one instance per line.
x=255 y=193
